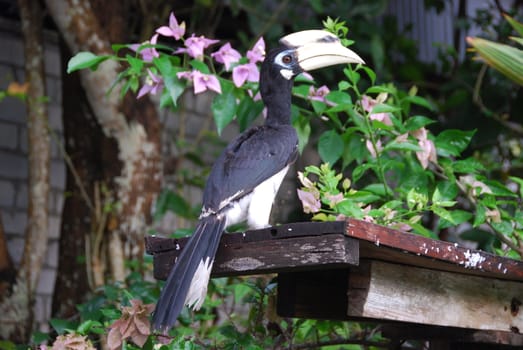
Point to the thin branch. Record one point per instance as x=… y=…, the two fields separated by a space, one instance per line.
x=70 y=166
x=476 y=98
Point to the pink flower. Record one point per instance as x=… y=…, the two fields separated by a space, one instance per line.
x=257 y=53
x=256 y=97
x=149 y=53
x=153 y=83
x=201 y=82
x=226 y=55
x=428 y=150
x=318 y=94
x=310 y=202
x=334 y=199
x=195 y=45
x=368 y=103
x=245 y=72
x=373 y=151
x=174 y=29
x=366 y=216
x=402 y=138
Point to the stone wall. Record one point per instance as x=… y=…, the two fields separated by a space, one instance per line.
x=13 y=158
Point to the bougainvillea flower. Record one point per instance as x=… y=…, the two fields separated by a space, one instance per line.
x=174 y=29
x=334 y=198
x=318 y=94
x=195 y=45
x=257 y=53
x=134 y=324
x=226 y=55
x=368 y=103
x=245 y=72
x=371 y=149
x=310 y=202
x=153 y=83
x=428 y=150
x=201 y=82
x=147 y=53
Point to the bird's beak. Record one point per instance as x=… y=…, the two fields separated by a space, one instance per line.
x=319 y=48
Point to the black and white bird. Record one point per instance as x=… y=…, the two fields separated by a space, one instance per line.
x=245 y=178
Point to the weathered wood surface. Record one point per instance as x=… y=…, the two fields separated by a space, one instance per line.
x=400 y=247
x=277 y=249
x=375 y=242
x=385 y=291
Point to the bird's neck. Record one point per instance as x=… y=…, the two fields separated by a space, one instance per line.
x=278 y=102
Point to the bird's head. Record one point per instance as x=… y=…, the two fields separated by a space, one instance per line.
x=302 y=52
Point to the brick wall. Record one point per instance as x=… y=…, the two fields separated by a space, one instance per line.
x=13 y=158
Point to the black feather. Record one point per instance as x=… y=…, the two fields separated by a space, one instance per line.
x=202 y=244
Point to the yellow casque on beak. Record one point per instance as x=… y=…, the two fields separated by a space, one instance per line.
x=319 y=48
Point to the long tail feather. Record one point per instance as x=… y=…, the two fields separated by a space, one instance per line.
x=187 y=281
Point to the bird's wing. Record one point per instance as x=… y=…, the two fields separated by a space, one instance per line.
x=250 y=159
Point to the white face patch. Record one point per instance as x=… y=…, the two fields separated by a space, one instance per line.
x=286 y=73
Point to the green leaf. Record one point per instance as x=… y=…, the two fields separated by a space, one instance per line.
x=62 y=326
x=354 y=147
x=340 y=98
x=224 y=107
x=199 y=65
x=361 y=169
x=421 y=230
x=417 y=122
x=330 y=147
x=379 y=89
x=168 y=70
x=370 y=73
x=481 y=215
x=506 y=59
x=85 y=59
x=444 y=214
x=518 y=26
x=352 y=75
x=349 y=208
x=303 y=129
x=453 y=142
x=519 y=181
x=420 y=101
x=402 y=146
x=446 y=191
x=467 y=166
x=365 y=197
x=384 y=108
x=498 y=189
x=8 y=345
x=458 y=217
x=135 y=63
x=504 y=227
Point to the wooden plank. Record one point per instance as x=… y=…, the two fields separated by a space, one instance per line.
x=155 y=244
x=410 y=247
x=385 y=291
x=237 y=256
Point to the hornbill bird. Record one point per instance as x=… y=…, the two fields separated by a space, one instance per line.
x=245 y=178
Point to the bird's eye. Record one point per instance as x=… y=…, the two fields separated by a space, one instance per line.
x=287 y=59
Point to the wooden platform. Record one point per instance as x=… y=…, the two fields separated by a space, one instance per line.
x=354 y=270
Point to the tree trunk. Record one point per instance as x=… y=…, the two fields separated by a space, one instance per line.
x=129 y=169
x=16 y=309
